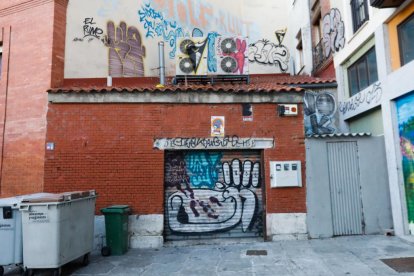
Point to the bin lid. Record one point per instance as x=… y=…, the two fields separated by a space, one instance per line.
x=66 y=196
x=116 y=209
x=15 y=201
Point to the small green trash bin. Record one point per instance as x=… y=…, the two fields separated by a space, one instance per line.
x=116 y=227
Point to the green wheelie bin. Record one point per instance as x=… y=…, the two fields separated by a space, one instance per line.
x=116 y=227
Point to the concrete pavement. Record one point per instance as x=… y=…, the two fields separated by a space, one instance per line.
x=355 y=255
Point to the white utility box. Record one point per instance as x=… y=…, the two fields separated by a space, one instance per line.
x=58 y=229
x=285 y=174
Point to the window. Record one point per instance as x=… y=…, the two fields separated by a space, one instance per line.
x=359 y=13
x=363 y=72
x=406 y=40
x=299 y=52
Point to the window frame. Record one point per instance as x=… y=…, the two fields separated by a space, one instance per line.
x=357 y=22
x=399 y=26
x=356 y=65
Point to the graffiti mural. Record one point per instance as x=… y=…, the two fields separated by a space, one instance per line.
x=90 y=31
x=126 y=52
x=319 y=108
x=202 y=168
x=405 y=114
x=269 y=53
x=362 y=100
x=213 y=192
x=157 y=25
x=333 y=32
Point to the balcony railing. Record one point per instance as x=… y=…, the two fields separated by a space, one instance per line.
x=319 y=56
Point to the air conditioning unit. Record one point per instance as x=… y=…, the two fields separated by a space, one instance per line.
x=232 y=55
x=191 y=56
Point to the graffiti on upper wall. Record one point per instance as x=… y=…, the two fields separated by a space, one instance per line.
x=405 y=114
x=365 y=98
x=333 y=32
x=269 y=53
x=201 y=14
x=156 y=25
x=90 y=31
x=228 y=195
x=319 y=108
x=126 y=52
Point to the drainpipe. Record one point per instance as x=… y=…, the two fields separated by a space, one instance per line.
x=161 y=62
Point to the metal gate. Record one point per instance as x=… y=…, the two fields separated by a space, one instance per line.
x=213 y=194
x=345 y=188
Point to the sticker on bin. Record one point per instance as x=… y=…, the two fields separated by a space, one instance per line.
x=38 y=217
x=5 y=226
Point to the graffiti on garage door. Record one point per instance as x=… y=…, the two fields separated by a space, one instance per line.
x=210 y=192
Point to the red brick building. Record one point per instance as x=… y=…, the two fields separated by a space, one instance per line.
x=203 y=161
x=32 y=35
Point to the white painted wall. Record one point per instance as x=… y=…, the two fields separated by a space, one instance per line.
x=300 y=21
x=89 y=58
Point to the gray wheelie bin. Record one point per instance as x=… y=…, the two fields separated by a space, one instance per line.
x=11 y=249
x=57 y=230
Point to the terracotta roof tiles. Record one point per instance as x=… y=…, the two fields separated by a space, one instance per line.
x=258 y=84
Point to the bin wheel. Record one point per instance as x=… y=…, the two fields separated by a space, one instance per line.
x=106 y=251
x=1 y=270
x=28 y=272
x=57 y=271
x=85 y=259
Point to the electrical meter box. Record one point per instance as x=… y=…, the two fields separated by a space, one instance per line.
x=285 y=174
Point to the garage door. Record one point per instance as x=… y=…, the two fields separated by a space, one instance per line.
x=213 y=194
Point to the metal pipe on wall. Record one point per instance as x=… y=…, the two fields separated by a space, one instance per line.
x=161 y=62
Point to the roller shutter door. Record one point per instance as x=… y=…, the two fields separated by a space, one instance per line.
x=213 y=194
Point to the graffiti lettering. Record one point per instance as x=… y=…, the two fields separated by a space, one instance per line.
x=126 y=51
x=217 y=142
x=156 y=25
x=231 y=199
x=372 y=96
x=89 y=30
x=333 y=32
x=268 y=53
x=319 y=113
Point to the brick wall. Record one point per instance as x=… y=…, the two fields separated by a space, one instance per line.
x=109 y=147
x=36 y=48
